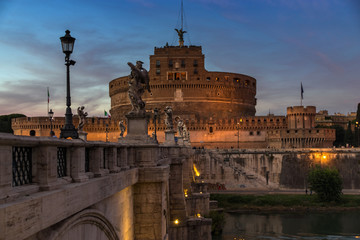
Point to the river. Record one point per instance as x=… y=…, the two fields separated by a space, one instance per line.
x=312 y=226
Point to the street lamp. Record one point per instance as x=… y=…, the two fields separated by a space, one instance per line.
x=69 y=130
x=156 y=113
x=107 y=131
x=356 y=134
x=51 y=114
x=238 y=134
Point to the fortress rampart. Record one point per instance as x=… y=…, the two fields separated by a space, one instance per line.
x=178 y=78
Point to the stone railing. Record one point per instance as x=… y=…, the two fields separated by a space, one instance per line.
x=31 y=164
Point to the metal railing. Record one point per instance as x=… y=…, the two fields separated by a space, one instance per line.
x=21 y=166
x=61 y=162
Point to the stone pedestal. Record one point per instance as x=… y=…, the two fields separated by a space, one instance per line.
x=137 y=132
x=169 y=137
x=180 y=141
x=83 y=135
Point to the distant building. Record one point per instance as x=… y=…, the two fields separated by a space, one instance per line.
x=323 y=118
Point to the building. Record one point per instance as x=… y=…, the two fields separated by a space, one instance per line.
x=218 y=108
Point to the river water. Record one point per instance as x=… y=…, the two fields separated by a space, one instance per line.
x=312 y=226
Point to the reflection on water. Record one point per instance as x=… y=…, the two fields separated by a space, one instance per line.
x=336 y=225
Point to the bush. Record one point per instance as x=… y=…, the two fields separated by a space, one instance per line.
x=218 y=222
x=326 y=182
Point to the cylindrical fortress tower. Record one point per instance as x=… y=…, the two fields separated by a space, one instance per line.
x=301 y=117
x=179 y=79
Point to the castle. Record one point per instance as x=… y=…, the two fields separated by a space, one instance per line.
x=218 y=108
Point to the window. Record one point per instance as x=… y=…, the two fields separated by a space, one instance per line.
x=195 y=71
x=170 y=76
x=182 y=63
x=157 y=71
x=216 y=79
x=170 y=63
x=195 y=63
x=258 y=133
x=208 y=78
x=177 y=75
x=251 y=133
x=211 y=130
x=157 y=63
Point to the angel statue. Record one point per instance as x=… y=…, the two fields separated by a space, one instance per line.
x=138 y=83
x=168 y=118
x=82 y=115
x=122 y=128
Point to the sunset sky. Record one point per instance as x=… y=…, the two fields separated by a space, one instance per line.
x=279 y=42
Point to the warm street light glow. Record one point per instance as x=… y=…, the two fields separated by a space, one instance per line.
x=197 y=173
x=176 y=221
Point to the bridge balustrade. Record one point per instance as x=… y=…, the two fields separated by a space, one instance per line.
x=31 y=164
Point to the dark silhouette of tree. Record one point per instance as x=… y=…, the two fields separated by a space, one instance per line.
x=5 y=122
x=349 y=135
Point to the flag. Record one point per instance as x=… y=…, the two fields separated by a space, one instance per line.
x=48 y=95
x=302 y=92
x=106 y=114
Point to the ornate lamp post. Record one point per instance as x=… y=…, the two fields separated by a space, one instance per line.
x=238 y=135
x=156 y=113
x=107 y=131
x=69 y=130
x=357 y=134
x=51 y=114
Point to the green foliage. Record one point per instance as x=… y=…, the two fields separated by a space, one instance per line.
x=218 y=222
x=241 y=201
x=5 y=122
x=326 y=182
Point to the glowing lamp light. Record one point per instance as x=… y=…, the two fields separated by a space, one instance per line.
x=197 y=173
x=324 y=157
x=176 y=221
x=186 y=192
x=198 y=215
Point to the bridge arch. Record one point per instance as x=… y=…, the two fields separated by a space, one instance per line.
x=85 y=225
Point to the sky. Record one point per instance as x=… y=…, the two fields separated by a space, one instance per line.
x=281 y=43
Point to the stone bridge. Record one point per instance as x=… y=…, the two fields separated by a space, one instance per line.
x=73 y=189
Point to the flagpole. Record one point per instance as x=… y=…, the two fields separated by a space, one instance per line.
x=48 y=100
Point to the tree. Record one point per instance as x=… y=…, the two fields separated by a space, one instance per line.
x=5 y=122
x=326 y=182
x=349 y=135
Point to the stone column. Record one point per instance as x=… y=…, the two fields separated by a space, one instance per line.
x=46 y=163
x=96 y=162
x=77 y=164
x=111 y=155
x=5 y=170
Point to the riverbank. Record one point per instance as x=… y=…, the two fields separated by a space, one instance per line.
x=282 y=203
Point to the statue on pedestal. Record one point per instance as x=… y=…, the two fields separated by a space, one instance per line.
x=122 y=128
x=168 y=118
x=82 y=115
x=138 y=83
x=182 y=129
